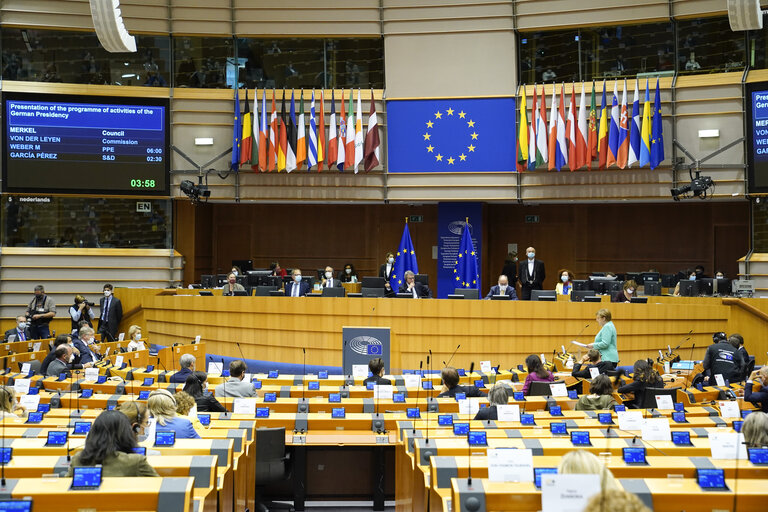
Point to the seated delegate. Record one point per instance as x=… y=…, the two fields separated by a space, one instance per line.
x=376 y=367
x=502 y=288
x=643 y=376
x=415 y=288
x=163 y=405
x=451 y=385
x=536 y=372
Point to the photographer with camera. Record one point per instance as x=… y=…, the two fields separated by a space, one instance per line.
x=40 y=312
x=82 y=310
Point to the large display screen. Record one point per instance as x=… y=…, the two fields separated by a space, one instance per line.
x=757 y=136
x=85 y=145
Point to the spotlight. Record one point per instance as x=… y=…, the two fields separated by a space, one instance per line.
x=698 y=187
x=194 y=192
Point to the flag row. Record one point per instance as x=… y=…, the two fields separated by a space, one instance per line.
x=287 y=142
x=609 y=136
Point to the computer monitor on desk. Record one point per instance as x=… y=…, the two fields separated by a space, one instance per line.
x=581 y=295
x=207 y=281
x=689 y=288
x=722 y=287
x=543 y=295
x=652 y=288
x=373 y=282
x=581 y=285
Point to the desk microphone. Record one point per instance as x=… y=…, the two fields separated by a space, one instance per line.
x=2 y=455
x=240 y=349
x=418 y=389
x=303 y=405
x=428 y=394
x=469 y=430
x=164 y=368
x=131 y=372
x=451 y=358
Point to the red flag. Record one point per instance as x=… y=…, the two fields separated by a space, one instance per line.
x=372 y=141
x=272 y=152
x=321 y=133
x=263 y=133
x=570 y=132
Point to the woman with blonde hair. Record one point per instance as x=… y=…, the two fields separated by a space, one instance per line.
x=9 y=407
x=755 y=430
x=134 y=334
x=163 y=405
x=584 y=462
x=605 y=339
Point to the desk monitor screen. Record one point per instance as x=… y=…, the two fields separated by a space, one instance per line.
x=460 y=396
x=102 y=379
x=445 y=420
x=165 y=438
x=681 y=438
x=34 y=417
x=461 y=429
x=620 y=408
x=555 y=410
x=15 y=506
x=86 y=393
x=206 y=293
x=205 y=419
x=262 y=412
x=62 y=377
x=605 y=418
x=679 y=407
x=398 y=398
x=270 y=397
x=745 y=413
x=756 y=456
x=33 y=391
x=679 y=417
x=86 y=478
x=634 y=455
x=737 y=425
x=477 y=438
x=683 y=365
x=462 y=372
x=6 y=454
x=580 y=438
x=82 y=427
x=479 y=383
x=413 y=412
x=689 y=288
x=334 y=398
x=150 y=368
x=638 y=300
x=427 y=384
x=43 y=407
x=338 y=412
x=711 y=479
x=56 y=438
x=148 y=381
x=144 y=395
x=537 y=472
x=273 y=374
x=313 y=386
x=369 y=385
x=518 y=396
x=322 y=374
x=111 y=407
x=141 y=450
x=526 y=419
x=257 y=384
x=558 y=428
x=573 y=394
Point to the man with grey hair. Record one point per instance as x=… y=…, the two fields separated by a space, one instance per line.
x=86 y=345
x=413 y=287
x=187 y=363
x=497 y=395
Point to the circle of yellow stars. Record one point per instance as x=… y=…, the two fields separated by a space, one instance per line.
x=404 y=251
x=456 y=271
x=450 y=159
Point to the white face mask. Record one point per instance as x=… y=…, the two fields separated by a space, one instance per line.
x=137 y=337
x=719 y=277
x=692 y=278
x=531 y=255
x=328 y=275
x=391 y=260
x=631 y=290
x=22 y=326
x=348 y=270
x=564 y=278
x=502 y=286
x=107 y=293
x=297 y=278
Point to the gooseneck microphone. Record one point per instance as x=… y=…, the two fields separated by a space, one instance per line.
x=451 y=358
x=469 y=430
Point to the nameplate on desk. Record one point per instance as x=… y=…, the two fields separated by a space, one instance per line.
x=25 y=368
x=411 y=381
x=664 y=403
x=727 y=446
x=567 y=493
x=558 y=390
x=383 y=391
x=121 y=336
x=215 y=368
x=729 y=409
x=30 y=402
x=119 y=361
x=21 y=386
x=508 y=412
x=299 y=439
x=630 y=420
x=510 y=465
x=244 y=406
x=382 y=439
x=469 y=406
x=593 y=372
x=656 y=429
x=360 y=370
x=485 y=366
x=36 y=346
x=719 y=380
x=91 y=374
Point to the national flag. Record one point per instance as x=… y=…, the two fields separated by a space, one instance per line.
x=237 y=132
x=349 y=143
x=405 y=260
x=623 y=154
x=321 y=153
x=532 y=134
x=263 y=146
x=561 y=155
x=246 y=141
x=333 y=141
x=274 y=140
x=522 y=127
x=301 y=137
x=582 y=151
x=290 y=155
x=613 y=129
x=341 y=158
x=570 y=131
x=312 y=137
x=645 y=130
x=358 y=133
x=602 y=136
x=592 y=131
x=372 y=141
x=553 y=130
x=466 y=271
x=282 y=150
x=634 y=125
x=657 y=135
x=542 y=153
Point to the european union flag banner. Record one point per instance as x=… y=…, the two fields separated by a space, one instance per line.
x=466 y=272
x=451 y=135
x=405 y=259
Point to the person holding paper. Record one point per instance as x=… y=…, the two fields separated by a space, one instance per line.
x=536 y=372
x=600 y=395
x=723 y=358
x=20 y=332
x=502 y=288
x=197 y=386
x=450 y=377
x=755 y=430
x=187 y=363
x=643 y=376
x=376 y=367
x=758 y=398
x=162 y=405
x=134 y=334
x=497 y=395
x=605 y=339
x=236 y=387
x=9 y=406
x=592 y=360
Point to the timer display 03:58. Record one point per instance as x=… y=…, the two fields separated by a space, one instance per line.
x=142 y=183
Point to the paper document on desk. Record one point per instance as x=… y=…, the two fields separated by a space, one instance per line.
x=579 y=344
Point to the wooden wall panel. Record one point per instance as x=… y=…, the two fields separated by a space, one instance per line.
x=47 y=13
x=306 y=17
x=546 y=14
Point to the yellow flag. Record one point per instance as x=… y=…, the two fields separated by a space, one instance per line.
x=522 y=130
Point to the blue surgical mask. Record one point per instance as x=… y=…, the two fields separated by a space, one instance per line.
x=692 y=278
x=564 y=278
x=22 y=326
x=391 y=260
x=297 y=278
x=531 y=255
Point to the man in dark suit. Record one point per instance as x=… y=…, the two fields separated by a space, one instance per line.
x=376 y=367
x=328 y=280
x=531 y=274
x=111 y=315
x=503 y=288
x=20 y=332
x=187 y=364
x=451 y=386
x=415 y=288
x=297 y=287
x=497 y=395
x=89 y=351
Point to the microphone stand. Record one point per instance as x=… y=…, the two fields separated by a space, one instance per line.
x=451 y=358
x=418 y=389
x=469 y=430
x=428 y=397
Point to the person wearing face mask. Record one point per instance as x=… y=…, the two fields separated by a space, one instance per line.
x=348 y=275
x=236 y=270
x=197 y=386
x=531 y=274
x=564 y=287
x=688 y=274
x=134 y=334
x=719 y=275
x=111 y=314
x=297 y=287
x=502 y=288
x=41 y=310
x=386 y=269
x=628 y=291
x=81 y=310
x=328 y=280
x=232 y=285
x=89 y=350
x=20 y=332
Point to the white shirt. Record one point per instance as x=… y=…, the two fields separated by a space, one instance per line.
x=530 y=268
x=135 y=345
x=413 y=290
x=389 y=270
x=329 y=283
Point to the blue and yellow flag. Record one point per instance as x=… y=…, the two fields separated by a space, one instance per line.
x=405 y=259
x=466 y=270
x=657 y=132
x=237 y=133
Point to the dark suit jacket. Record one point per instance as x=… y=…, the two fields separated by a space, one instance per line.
x=336 y=283
x=510 y=270
x=85 y=353
x=583 y=373
x=180 y=377
x=470 y=391
x=207 y=403
x=12 y=332
x=421 y=290
x=495 y=290
x=303 y=288
x=487 y=413
x=378 y=381
x=758 y=398
x=114 y=316
x=383 y=271
x=536 y=280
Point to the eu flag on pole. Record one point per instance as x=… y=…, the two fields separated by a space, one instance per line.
x=465 y=272
x=405 y=259
x=657 y=132
x=451 y=135
x=237 y=132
